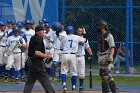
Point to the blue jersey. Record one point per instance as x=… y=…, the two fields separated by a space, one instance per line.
x=20 y=33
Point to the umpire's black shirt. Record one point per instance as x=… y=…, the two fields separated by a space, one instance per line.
x=36 y=44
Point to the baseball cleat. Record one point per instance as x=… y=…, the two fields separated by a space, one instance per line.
x=74 y=90
x=64 y=89
x=16 y=81
x=81 y=89
x=6 y=79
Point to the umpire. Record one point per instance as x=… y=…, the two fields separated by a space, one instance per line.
x=37 y=67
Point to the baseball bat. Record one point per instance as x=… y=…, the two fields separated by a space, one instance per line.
x=90 y=76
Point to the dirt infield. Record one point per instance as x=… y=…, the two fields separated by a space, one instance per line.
x=70 y=92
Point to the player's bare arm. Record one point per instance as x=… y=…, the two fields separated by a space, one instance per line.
x=111 y=53
x=40 y=54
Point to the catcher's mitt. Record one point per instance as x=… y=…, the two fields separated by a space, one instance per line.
x=106 y=61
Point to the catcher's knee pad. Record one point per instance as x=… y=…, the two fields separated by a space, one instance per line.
x=105 y=75
x=104 y=72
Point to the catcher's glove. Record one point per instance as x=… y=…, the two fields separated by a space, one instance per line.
x=106 y=61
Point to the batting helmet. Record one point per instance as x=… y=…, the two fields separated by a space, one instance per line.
x=70 y=29
x=56 y=26
x=101 y=24
x=16 y=28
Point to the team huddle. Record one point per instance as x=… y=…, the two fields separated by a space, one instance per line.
x=66 y=46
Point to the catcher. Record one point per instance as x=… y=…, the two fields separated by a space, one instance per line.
x=105 y=54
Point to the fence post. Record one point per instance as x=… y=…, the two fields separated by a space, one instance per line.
x=127 y=34
x=131 y=33
x=63 y=11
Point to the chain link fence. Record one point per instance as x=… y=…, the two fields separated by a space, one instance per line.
x=122 y=17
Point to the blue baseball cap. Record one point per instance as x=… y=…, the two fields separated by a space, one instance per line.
x=40 y=22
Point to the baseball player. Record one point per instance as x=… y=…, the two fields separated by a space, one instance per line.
x=29 y=33
x=81 y=56
x=13 y=49
x=9 y=26
x=48 y=42
x=13 y=22
x=27 y=29
x=105 y=57
x=23 y=53
x=3 y=39
x=59 y=34
x=19 y=24
x=69 y=63
x=45 y=20
x=41 y=23
x=32 y=25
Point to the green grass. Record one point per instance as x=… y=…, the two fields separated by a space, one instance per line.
x=119 y=80
x=95 y=66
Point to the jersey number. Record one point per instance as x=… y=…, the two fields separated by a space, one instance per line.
x=70 y=43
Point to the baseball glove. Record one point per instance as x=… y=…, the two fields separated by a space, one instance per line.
x=106 y=61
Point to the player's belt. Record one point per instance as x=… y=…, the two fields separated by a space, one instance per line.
x=49 y=48
x=2 y=46
x=103 y=54
x=16 y=52
x=80 y=55
x=69 y=53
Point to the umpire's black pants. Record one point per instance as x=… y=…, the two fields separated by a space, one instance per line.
x=42 y=77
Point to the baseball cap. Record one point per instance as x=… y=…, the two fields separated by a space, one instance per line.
x=2 y=24
x=39 y=28
x=16 y=28
x=45 y=20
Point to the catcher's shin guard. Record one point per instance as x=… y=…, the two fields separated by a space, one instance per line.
x=112 y=86
x=105 y=87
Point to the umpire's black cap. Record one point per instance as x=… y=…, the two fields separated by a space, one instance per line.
x=39 y=28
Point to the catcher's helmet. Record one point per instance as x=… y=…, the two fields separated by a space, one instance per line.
x=70 y=29
x=16 y=28
x=56 y=26
x=101 y=24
